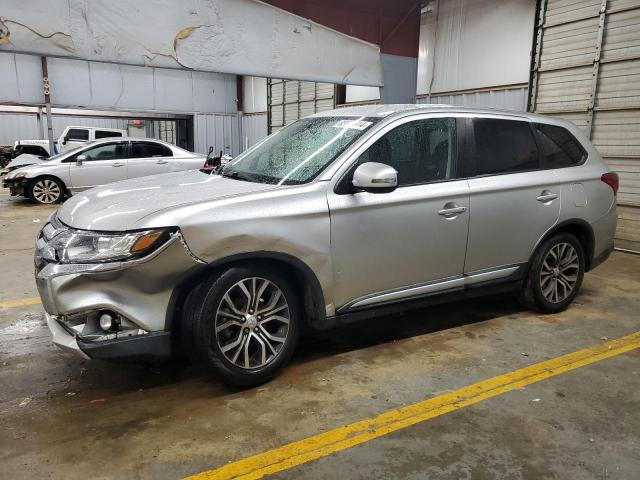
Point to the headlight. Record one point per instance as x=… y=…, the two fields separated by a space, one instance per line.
x=78 y=246
x=13 y=175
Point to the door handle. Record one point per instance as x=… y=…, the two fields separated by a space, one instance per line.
x=547 y=196
x=118 y=164
x=451 y=210
x=161 y=162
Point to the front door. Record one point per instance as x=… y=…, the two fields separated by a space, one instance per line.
x=513 y=201
x=105 y=163
x=148 y=158
x=409 y=242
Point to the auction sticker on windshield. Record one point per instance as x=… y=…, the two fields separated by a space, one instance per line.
x=353 y=124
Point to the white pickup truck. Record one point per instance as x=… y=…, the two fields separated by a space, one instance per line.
x=29 y=152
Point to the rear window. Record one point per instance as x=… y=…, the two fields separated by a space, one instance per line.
x=78 y=134
x=561 y=149
x=504 y=146
x=106 y=134
x=149 y=149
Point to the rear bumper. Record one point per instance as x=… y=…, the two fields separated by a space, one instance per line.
x=604 y=230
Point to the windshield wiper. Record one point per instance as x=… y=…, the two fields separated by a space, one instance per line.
x=236 y=176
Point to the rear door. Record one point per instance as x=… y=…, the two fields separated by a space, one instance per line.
x=148 y=158
x=513 y=200
x=104 y=163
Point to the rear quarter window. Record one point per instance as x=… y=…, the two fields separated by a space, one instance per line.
x=560 y=148
x=106 y=134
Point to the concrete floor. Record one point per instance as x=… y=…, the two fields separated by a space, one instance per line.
x=167 y=422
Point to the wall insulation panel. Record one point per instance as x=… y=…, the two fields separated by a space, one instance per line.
x=587 y=70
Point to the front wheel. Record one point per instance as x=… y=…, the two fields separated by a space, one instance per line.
x=555 y=275
x=243 y=325
x=46 y=190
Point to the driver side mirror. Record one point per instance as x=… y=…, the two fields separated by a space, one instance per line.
x=65 y=140
x=375 y=177
x=80 y=159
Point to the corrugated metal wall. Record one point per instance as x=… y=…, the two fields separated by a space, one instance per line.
x=501 y=98
x=254 y=129
x=218 y=131
x=16 y=126
x=289 y=100
x=587 y=70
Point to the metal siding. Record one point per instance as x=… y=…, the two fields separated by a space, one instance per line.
x=506 y=99
x=564 y=90
x=597 y=86
x=218 y=131
x=254 y=129
x=621 y=38
x=16 y=126
x=290 y=100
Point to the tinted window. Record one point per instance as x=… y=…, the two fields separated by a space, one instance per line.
x=106 y=134
x=109 y=151
x=149 y=149
x=78 y=134
x=421 y=151
x=504 y=146
x=31 y=150
x=561 y=149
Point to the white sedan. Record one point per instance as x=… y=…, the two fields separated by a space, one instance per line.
x=98 y=163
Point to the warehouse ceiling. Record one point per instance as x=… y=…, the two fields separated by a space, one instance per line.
x=205 y=35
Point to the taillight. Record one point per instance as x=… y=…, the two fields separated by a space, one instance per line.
x=611 y=179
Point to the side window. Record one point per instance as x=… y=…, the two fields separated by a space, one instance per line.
x=421 y=151
x=504 y=146
x=109 y=151
x=78 y=134
x=106 y=134
x=149 y=149
x=561 y=149
x=34 y=150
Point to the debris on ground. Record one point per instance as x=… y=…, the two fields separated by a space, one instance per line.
x=25 y=401
x=98 y=401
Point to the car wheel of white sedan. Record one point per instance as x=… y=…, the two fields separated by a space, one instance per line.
x=46 y=190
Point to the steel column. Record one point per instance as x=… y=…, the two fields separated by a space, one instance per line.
x=596 y=67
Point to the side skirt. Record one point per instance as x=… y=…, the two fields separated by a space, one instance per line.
x=476 y=288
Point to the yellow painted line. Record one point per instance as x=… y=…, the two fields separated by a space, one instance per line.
x=19 y=302
x=341 y=438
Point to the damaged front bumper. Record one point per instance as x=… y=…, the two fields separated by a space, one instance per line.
x=15 y=186
x=136 y=294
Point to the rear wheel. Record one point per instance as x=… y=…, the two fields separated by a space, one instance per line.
x=555 y=275
x=243 y=325
x=46 y=190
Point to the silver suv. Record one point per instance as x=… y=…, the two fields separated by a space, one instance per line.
x=337 y=217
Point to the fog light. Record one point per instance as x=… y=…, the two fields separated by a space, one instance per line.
x=106 y=322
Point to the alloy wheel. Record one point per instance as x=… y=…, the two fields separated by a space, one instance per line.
x=46 y=191
x=252 y=323
x=559 y=272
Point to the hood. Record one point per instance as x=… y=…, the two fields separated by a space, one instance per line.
x=120 y=206
x=23 y=160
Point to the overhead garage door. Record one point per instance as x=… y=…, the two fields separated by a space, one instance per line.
x=587 y=70
x=289 y=100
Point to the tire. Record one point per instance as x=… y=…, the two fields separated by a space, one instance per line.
x=552 y=284
x=46 y=190
x=266 y=342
